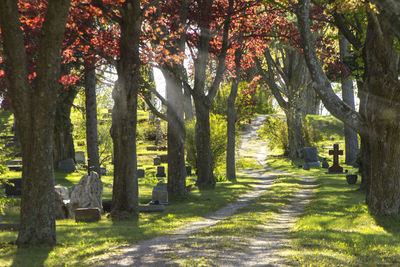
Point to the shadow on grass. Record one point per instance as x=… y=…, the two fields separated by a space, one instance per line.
x=36 y=255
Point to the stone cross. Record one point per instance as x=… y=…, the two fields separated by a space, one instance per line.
x=335 y=168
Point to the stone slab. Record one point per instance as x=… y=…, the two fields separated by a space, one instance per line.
x=151 y=208
x=87 y=215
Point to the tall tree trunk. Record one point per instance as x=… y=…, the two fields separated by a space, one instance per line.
x=383 y=117
x=63 y=139
x=92 y=141
x=350 y=136
x=35 y=110
x=176 y=136
x=124 y=115
x=188 y=106
x=295 y=132
x=205 y=175
x=310 y=102
x=231 y=120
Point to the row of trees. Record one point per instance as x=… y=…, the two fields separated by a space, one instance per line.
x=61 y=38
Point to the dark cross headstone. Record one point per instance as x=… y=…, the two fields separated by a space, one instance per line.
x=140 y=173
x=160 y=171
x=335 y=168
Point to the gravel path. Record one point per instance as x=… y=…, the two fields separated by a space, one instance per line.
x=263 y=250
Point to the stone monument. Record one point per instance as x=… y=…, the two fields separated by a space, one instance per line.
x=335 y=168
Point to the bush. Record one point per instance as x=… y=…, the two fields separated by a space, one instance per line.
x=276 y=132
x=218 y=140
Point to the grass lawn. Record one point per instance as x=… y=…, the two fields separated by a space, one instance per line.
x=82 y=243
x=337 y=229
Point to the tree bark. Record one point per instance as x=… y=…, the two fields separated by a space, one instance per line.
x=350 y=136
x=391 y=10
x=35 y=110
x=231 y=120
x=63 y=139
x=92 y=141
x=124 y=114
x=383 y=117
x=205 y=175
x=295 y=133
x=176 y=136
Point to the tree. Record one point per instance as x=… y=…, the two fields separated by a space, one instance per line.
x=380 y=125
x=34 y=105
x=391 y=10
x=124 y=114
x=350 y=136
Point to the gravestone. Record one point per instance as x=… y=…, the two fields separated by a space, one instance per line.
x=80 y=157
x=310 y=155
x=87 y=215
x=160 y=171
x=325 y=164
x=61 y=195
x=151 y=208
x=66 y=165
x=140 y=173
x=151 y=148
x=13 y=187
x=16 y=168
x=351 y=178
x=87 y=193
x=160 y=193
x=107 y=205
x=335 y=168
x=189 y=170
x=103 y=171
x=157 y=161
x=163 y=158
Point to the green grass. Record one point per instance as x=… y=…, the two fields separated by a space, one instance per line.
x=337 y=228
x=82 y=243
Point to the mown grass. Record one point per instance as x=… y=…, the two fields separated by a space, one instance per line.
x=337 y=229
x=85 y=243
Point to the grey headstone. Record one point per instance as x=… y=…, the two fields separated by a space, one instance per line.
x=151 y=148
x=66 y=165
x=163 y=158
x=103 y=171
x=157 y=161
x=311 y=158
x=325 y=164
x=151 y=208
x=161 y=171
x=80 y=157
x=160 y=193
x=140 y=173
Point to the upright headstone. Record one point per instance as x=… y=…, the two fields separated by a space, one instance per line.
x=335 y=168
x=325 y=164
x=80 y=157
x=160 y=171
x=163 y=158
x=61 y=195
x=88 y=193
x=140 y=173
x=160 y=193
x=310 y=155
x=157 y=161
x=66 y=165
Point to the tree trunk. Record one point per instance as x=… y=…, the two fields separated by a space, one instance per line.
x=63 y=139
x=295 y=132
x=231 y=120
x=205 y=175
x=176 y=136
x=124 y=114
x=35 y=107
x=310 y=102
x=91 y=119
x=350 y=136
x=188 y=106
x=382 y=115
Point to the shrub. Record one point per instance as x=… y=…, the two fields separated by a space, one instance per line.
x=218 y=140
x=276 y=132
